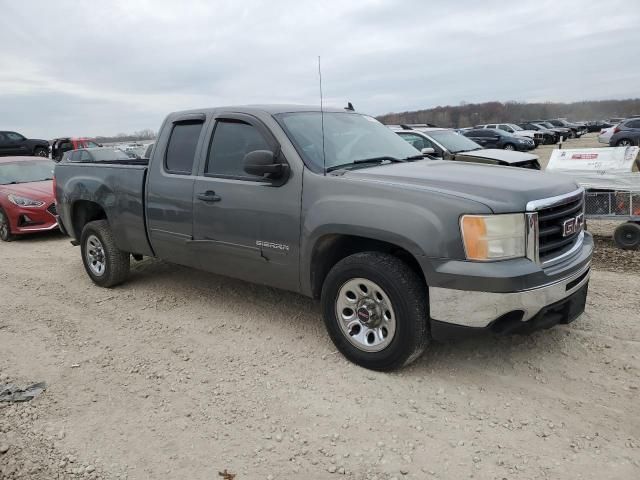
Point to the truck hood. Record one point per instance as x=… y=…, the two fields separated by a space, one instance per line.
x=506 y=156
x=502 y=189
x=42 y=191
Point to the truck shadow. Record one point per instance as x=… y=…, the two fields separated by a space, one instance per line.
x=295 y=317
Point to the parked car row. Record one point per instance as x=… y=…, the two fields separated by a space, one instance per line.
x=447 y=144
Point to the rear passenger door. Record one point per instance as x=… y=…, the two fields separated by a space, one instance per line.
x=246 y=226
x=170 y=189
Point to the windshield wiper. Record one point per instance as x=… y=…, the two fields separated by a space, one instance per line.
x=374 y=160
x=377 y=161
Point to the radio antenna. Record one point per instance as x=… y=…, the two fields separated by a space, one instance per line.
x=324 y=159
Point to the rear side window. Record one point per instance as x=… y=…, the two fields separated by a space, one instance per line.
x=231 y=141
x=633 y=124
x=181 y=150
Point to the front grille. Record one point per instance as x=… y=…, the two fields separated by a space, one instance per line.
x=551 y=241
x=52 y=209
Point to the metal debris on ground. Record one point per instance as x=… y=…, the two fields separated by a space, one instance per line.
x=12 y=393
x=227 y=475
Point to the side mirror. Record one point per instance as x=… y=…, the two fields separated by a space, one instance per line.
x=262 y=164
x=428 y=151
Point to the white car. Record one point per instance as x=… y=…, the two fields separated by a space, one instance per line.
x=514 y=129
x=605 y=134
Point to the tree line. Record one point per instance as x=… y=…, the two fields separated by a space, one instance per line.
x=146 y=134
x=470 y=114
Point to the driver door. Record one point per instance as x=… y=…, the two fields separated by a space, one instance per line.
x=245 y=226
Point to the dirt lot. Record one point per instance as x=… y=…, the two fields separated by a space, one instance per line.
x=181 y=374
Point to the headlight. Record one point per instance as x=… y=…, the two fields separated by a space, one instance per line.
x=493 y=237
x=24 y=202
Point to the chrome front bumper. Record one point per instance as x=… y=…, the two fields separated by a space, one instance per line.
x=478 y=309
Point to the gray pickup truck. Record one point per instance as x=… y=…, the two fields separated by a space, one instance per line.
x=335 y=206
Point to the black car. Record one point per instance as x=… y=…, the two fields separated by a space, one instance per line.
x=549 y=137
x=14 y=144
x=494 y=138
x=576 y=130
x=597 y=125
x=626 y=133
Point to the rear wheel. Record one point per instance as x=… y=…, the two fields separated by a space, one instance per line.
x=509 y=146
x=625 y=142
x=375 y=310
x=5 y=227
x=627 y=236
x=105 y=263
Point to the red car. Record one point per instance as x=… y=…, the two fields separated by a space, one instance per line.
x=27 y=202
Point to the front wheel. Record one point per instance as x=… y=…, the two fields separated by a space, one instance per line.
x=627 y=236
x=105 y=263
x=509 y=146
x=41 y=152
x=375 y=310
x=625 y=142
x=5 y=227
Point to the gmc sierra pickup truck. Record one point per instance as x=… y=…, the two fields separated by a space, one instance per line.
x=334 y=205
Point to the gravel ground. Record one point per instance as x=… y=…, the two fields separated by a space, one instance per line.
x=183 y=374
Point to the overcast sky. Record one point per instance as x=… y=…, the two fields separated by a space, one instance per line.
x=99 y=68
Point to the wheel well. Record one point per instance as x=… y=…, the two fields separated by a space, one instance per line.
x=84 y=212
x=330 y=249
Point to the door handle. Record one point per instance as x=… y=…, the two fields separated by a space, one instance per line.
x=208 y=196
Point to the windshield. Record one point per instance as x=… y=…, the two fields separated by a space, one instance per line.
x=348 y=137
x=547 y=124
x=26 y=171
x=453 y=141
x=517 y=128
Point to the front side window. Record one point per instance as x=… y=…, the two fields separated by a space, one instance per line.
x=181 y=150
x=85 y=156
x=417 y=141
x=506 y=128
x=479 y=133
x=232 y=140
x=15 y=137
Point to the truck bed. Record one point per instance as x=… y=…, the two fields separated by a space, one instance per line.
x=117 y=188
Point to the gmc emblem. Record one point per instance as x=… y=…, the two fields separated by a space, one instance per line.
x=572 y=225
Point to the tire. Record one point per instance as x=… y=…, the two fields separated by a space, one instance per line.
x=395 y=300
x=509 y=146
x=624 y=142
x=41 y=152
x=627 y=236
x=5 y=228
x=105 y=263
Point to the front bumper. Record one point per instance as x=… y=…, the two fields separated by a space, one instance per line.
x=24 y=220
x=478 y=309
x=517 y=296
